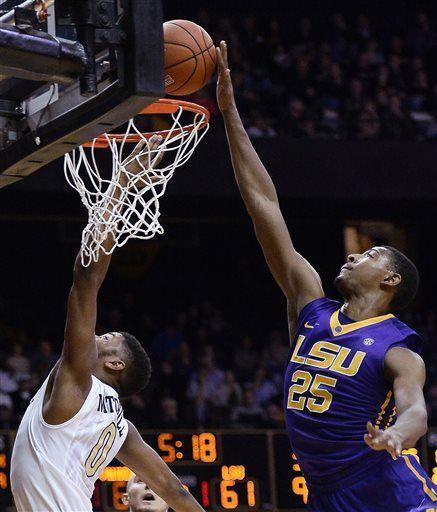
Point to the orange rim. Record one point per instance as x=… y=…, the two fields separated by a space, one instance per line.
x=161 y=106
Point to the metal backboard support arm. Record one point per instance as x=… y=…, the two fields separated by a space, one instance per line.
x=75 y=119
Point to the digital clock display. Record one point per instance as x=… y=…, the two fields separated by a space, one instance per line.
x=250 y=470
x=187 y=448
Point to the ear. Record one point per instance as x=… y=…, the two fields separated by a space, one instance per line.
x=392 y=279
x=114 y=364
x=125 y=499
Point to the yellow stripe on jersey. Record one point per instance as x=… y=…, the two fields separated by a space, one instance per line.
x=338 y=329
x=391 y=418
x=383 y=408
x=425 y=487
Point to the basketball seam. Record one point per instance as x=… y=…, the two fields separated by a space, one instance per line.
x=204 y=68
x=188 y=58
x=188 y=32
x=187 y=80
x=208 y=47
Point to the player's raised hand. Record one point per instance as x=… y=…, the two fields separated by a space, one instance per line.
x=138 y=160
x=383 y=440
x=225 y=90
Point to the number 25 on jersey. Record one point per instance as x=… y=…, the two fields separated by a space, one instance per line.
x=304 y=381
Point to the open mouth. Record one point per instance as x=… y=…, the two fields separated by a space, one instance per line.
x=149 y=497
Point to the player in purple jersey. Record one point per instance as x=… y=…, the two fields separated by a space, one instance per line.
x=353 y=385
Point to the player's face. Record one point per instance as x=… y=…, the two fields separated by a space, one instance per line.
x=143 y=499
x=111 y=342
x=363 y=272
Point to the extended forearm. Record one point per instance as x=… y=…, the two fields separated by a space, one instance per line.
x=252 y=178
x=96 y=270
x=94 y=274
x=411 y=425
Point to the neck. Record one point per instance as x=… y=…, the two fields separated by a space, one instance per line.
x=364 y=307
x=106 y=378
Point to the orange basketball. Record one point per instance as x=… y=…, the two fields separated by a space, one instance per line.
x=190 y=57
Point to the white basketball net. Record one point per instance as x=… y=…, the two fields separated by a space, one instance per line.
x=125 y=204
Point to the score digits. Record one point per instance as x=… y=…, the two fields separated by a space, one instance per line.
x=188 y=448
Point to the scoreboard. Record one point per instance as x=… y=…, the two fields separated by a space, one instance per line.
x=249 y=470
x=224 y=470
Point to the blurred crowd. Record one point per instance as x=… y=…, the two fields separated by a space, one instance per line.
x=206 y=372
x=330 y=78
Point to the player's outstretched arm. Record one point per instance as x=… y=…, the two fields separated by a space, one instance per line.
x=296 y=277
x=150 y=468
x=72 y=380
x=407 y=372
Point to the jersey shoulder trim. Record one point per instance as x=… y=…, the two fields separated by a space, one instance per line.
x=338 y=329
x=79 y=413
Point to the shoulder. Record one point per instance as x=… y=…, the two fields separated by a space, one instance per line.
x=318 y=306
x=402 y=362
x=311 y=311
x=403 y=336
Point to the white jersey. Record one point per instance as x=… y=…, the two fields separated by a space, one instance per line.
x=54 y=467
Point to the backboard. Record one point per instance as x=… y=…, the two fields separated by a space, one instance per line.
x=71 y=70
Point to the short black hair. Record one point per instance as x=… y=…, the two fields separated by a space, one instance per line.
x=138 y=371
x=409 y=284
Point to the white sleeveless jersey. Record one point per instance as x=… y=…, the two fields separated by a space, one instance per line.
x=54 y=467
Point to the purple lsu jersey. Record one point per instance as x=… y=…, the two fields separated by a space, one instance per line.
x=334 y=383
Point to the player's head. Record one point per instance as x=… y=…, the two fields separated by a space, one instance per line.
x=123 y=362
x=381 y=270
x=139 y=498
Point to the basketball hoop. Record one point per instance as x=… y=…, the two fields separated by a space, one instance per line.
x=126 y=204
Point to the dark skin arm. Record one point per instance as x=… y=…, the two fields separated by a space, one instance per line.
x=71 y=380
x=296 y=277
x=406 y=371
x=150 y=468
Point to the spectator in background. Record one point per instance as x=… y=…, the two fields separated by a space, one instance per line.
x=44 y=359
x=292 y=121
x=140 y=498
x=7 y=417
x=369 y=125
x=8 y=382
x=168 y=343
x=246 y=359
x=396 y=123
x=138 y=411
x=263 y=388
x=248 y=414
x=258 y=126
x=169 y=414
x=202 y=387
x=275 y=416
x=228 y=395
x=17 y=361
x=168 y=379
x=276 y=351
x=183 y=365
